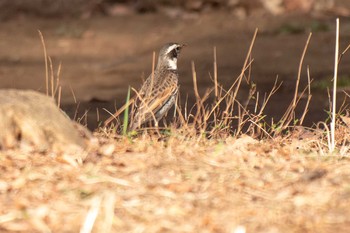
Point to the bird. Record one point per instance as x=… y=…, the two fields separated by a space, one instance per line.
x=158 y=93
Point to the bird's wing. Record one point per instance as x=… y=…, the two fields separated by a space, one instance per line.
x=151 y=100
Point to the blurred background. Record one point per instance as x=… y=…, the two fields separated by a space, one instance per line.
x=99 y=48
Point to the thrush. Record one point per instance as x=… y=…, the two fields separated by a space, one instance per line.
x=158 y=93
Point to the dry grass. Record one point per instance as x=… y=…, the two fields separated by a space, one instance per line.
x=219 y=167
x=178 y=185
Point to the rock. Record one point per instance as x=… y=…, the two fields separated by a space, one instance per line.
x=28 y=118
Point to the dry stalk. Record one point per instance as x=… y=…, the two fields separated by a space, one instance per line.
x=309 y=96
x=58 y=78
x=245 y=64
x=149 y=108
x=274 y=89
x=117 y=113
x=261 y=128
x=256 y=102
x=97 y=115
x=152 y=74
x=215 y=74
x=186 y=106
x=197 y=119
x=51 y=77
x=180 y=115
x=290 y=112
x=46 y=63
x=59 y=96
x=299 y=70
x=76 y=111
x=50 y=85
x=328 y=134
x=73 y=94
x=334 y=100
x=343 y=53
x=227 y=95
x=240 y=120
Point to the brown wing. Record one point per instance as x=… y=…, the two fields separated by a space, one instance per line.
x=151 y=100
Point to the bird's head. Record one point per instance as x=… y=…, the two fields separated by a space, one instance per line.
x=167 y=57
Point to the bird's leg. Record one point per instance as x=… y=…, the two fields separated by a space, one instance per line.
x=156 y=123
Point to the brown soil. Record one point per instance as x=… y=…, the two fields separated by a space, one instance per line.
x=102 y=56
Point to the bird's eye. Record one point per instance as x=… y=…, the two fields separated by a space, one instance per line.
x=174 y=52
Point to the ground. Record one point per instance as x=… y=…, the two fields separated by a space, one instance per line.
x=179 y=185
x=182 y=181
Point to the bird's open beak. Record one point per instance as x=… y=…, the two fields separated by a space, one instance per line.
x=181 y=46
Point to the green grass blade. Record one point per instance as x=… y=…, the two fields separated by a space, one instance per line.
x=126 y=114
